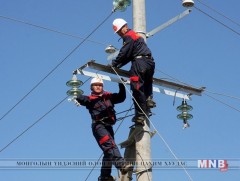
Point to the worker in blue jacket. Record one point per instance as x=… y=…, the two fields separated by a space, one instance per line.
x=135 y=49
x=100 y=105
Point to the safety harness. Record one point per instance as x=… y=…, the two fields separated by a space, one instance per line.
x=103 y=111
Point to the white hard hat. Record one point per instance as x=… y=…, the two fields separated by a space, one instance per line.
x=118 y=24
x=96 y=80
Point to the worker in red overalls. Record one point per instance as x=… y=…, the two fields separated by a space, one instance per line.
x=135 y=49
x=101 y=108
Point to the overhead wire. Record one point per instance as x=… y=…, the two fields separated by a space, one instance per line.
x=121 y=118
x=63 y=60
x=173 y=78
x=28 y=128
x=222 y=102
x=48 y=29
x=125 y=111
x=218 y=21
x=38 y=120
x=222 y=94
x=215 y=19
x=221 y=14
x=125 y=116
x=89 y=174
x=206 y=90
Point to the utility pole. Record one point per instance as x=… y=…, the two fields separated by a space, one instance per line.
x=138 y=145
x=143 y=143
x=139 y=17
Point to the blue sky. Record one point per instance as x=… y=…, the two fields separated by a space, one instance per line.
x=196 y=50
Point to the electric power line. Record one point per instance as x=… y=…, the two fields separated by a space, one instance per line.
x=48 y=29
x=218 y=21
x=63 y=60
x=15 y=139
x=222 y=102
x=54 y=107
x=226 y=26
x=214 y=10
x=220 y=94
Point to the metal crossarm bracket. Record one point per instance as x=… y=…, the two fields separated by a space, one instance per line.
x=168 y=23
x=189 y=90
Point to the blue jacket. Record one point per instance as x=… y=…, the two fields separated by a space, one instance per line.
x=133 y=45
x=101 y=108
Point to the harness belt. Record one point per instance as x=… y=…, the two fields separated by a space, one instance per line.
x=143 y=56
x=101 y=121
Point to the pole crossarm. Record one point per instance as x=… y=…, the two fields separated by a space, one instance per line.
x=168 y=23
x=190 y=90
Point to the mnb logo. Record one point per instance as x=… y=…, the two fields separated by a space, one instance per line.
x=221 y=164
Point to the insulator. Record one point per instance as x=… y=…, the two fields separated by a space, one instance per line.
x=121 y=5
x=184 y=107
x=188 y=3
x=110 y=49
x=74 y=92
x=74 y=83
x=184 y=116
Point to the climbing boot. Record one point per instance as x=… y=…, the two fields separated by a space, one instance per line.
x=106 y=178
x=150 y=102
x=149 y=111
x=126 y=168
x=139 y=120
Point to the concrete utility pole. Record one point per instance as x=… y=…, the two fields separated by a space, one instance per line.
x=143 y=143
x=138 y=145
x=139 y=17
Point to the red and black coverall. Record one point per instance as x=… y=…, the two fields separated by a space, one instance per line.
x=134 y=49
x=101 y=109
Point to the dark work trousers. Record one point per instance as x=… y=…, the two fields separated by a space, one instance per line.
x=104 y=136
x=141 y=82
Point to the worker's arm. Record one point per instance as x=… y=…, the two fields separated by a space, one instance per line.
x=120 y=96
x=83 y=100
x=125 y=53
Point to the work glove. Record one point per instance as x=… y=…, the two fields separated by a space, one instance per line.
x=74 y=100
